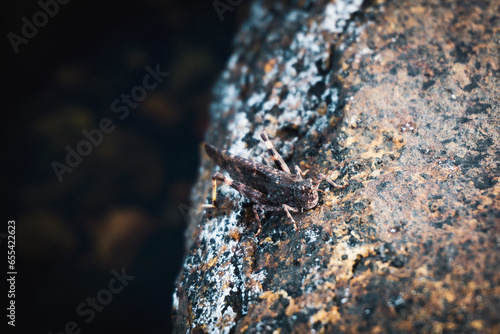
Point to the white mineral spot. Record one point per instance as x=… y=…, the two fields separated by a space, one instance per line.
x=338 y=13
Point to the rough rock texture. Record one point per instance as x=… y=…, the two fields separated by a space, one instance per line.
x=407 y=92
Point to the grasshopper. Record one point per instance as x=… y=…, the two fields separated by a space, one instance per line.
x=270 y=189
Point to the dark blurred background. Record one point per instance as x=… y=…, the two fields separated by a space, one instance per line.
x=119 y=207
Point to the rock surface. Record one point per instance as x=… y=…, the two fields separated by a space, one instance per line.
x=407 y=94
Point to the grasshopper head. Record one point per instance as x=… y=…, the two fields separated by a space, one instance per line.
x=306 y=194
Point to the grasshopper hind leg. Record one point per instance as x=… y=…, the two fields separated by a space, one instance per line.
x=250 y=193
x=278 y=160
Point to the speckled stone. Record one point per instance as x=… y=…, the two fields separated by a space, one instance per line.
x=407 y=94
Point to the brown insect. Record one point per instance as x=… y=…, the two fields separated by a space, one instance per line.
x=268 y=188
